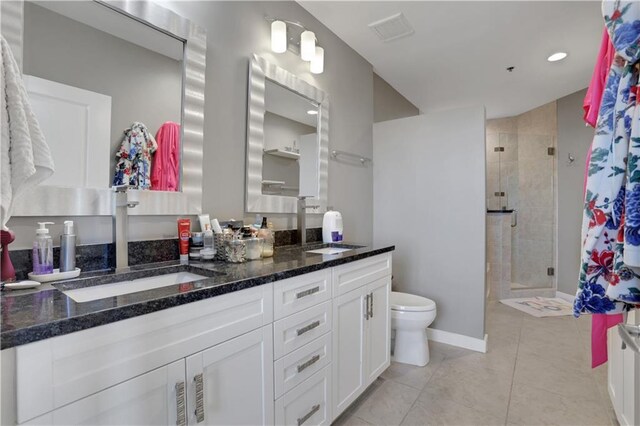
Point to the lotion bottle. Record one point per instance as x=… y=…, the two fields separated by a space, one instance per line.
x=67 y=248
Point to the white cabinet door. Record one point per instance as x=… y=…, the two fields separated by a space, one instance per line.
x=149 y=399
x=232 y=383
x=378 y=355
x=349 y=378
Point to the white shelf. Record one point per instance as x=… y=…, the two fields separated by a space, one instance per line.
x=282 y=153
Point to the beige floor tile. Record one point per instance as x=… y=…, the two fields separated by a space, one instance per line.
x=348 y=419
x=481 y=388
x=559 y=376
x=388 y=404
x=411 y=375
x=448 y=413
x=532 y=406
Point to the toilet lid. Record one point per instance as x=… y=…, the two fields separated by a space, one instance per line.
x=411 y=302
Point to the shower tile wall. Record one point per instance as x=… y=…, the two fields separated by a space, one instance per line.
x=526 y=173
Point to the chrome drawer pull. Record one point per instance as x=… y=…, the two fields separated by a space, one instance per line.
x=306 y=417
x=308 y=364
x=366 y=307
x=199 y=398
x=309 y=292
x=306 y=328
x=371 y=305
x=181 y=413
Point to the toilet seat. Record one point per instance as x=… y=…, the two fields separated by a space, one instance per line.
x=411 y=303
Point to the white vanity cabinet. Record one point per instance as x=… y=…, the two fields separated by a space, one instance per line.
x=58 y=377
x=362 y=327
x=624 y=376
x=297 y=351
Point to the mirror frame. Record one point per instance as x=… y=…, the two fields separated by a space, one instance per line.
x=61 y=201
x=257 y=202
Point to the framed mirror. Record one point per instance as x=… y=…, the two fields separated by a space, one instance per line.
x=287 y=141
x=118 y=90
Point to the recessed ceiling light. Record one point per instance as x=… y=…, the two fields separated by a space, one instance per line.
x=558 y=56
x=312 y=112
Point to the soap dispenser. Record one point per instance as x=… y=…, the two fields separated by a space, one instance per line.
x=67 y=248
x=43 y=250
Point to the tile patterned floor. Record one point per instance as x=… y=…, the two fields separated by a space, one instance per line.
x=536 y=372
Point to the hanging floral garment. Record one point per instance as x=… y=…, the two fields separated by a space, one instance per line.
x=609 y=280
x=133 y=165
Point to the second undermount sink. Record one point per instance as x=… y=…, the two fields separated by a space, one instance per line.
x=119 y=288
x=329 y=250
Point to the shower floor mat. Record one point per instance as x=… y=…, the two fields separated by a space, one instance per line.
x=541 y=306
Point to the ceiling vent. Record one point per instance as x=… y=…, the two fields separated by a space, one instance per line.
x=392 y=28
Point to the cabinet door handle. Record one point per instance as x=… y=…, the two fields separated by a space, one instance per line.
x=366 y=307
x=371 y=305
x=181 y=412
x=308 y=327
x=309 y=292
x=199 y=397
x=306 y=417
x=308 y=364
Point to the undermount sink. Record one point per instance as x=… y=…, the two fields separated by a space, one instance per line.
x=329 y=250
x=119 y=288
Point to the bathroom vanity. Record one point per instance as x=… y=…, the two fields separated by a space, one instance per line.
x=289 y=340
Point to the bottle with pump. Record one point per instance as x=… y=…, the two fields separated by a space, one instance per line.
x=267 y=235
x=43 y=250
x=67 y=248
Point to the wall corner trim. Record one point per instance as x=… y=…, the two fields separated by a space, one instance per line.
x=459 y=340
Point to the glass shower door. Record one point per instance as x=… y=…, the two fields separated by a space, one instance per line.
x=529 y=169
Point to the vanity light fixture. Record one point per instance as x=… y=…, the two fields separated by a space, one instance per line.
x=307 y=45
x=317 y=62
x=558 y=56
x=279 y=36
x=312 y=112
x=283 y=32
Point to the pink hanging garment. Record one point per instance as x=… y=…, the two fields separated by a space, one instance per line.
x=165 y=169
x=592 y=99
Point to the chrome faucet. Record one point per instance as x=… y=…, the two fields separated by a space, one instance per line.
x=302 y=219
x=120 y=225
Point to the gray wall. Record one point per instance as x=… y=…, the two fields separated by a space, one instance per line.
x=388 y=103
x=144 y=85
x=429 y=200
x=235 y=30
x=573 y=138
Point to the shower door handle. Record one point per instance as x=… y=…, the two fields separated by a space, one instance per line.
x=514 y=218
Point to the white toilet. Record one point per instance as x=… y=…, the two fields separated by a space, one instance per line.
x=410 y=317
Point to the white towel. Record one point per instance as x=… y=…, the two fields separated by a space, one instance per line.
x=26 y=158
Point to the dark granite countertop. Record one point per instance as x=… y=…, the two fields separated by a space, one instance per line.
x=33 y=315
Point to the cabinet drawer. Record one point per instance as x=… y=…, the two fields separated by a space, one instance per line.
x=299 y=329
x=57 y=371
x=356 y=274
x=309 y=403
x=295 y=294
x=301 y=364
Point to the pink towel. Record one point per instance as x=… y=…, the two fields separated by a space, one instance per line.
x=591 y=104
x=165 y=168
x=600 y=323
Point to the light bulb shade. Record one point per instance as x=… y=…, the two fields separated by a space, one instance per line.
x=317 y=63
x=307 y=45
x=278 y=37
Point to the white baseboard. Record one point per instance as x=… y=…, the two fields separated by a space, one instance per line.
x=459 y=340
x=565 y=296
